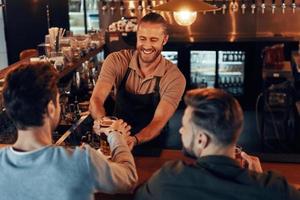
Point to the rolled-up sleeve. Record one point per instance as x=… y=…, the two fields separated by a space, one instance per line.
x=118 y=175
x=173 y=87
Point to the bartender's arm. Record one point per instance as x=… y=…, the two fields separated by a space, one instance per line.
x=100 y=93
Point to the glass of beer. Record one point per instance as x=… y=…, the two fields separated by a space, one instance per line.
x=105 y=122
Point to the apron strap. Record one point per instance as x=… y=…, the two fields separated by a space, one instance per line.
x=123 y=82
x=156 y=87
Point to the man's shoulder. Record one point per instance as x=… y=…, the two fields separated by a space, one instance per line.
x=269 y=179
x=172 y=70
x=122 y=55
x=173 y=168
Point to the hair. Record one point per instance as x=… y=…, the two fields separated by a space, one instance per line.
x=27 y=91
x=155 y=18
x=217 y=112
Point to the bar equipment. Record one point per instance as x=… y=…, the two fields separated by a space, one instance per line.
x=263 y=6
x=140 y=7
x=122 y=7
x=104 y=6
x=234 y=6
x=283 y=6
x=253 y=6
x=149 y=6
x=224 y=7
x=273 y=6
x=243 y=6
x=214 y=4
x=112 y=7
x=294 y=6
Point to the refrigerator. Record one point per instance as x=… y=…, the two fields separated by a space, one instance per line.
x=83 y=16
x=218 y=69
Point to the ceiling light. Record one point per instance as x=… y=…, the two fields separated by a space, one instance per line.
x=185 y=11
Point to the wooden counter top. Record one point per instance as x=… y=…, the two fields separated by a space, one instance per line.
x=146 y=166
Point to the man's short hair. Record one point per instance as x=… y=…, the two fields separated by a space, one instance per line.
x=217 y=112
x=155 y=18
x=27 y=92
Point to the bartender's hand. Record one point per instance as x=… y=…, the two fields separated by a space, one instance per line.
x=251 y=162
x=118 y=125
x=131 y=141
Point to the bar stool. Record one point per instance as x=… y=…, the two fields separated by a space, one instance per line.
x=27 y=53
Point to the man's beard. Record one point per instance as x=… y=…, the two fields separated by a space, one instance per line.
x=151 y=59
x=189 y=151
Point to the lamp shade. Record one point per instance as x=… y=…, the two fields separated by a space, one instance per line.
x=186 y=5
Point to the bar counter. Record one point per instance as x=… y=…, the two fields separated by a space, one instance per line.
x=146 y=166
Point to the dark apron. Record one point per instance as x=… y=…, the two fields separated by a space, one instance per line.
x=138 y=110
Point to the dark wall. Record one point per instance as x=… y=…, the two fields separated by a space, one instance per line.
x=26 y=25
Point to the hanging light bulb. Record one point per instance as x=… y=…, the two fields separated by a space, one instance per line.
x=185 y=11
x=185 y=18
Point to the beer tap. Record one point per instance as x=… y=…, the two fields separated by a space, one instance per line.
x=149 y=5
x=283 y=6
x=243 y=6
x=140 y=7
x=263 y=6
x=294 y=6
x=273 y=6
x=214 y=4
x=234 y=6
x=112 y=7
x=224 y=7
x=122 y=7
x=253 y=6
x=104 y=6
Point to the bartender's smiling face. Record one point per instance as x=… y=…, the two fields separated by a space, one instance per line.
x=151 y=38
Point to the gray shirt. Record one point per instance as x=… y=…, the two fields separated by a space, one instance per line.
x=60 y=173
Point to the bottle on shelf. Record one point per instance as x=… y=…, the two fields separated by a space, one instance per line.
x=202 y=84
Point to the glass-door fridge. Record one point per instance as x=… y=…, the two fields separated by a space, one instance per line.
x=203 y=69
x=83 y=16
x=231 y=66
x=219 y=69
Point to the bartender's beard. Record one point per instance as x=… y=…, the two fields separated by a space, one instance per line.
x=148 y=58
x=188 y=151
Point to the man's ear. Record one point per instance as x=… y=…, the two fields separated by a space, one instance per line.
x=201 y=140
x=51 y=109
x=166 y=38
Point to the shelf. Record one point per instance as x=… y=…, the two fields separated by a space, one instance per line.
x=76 y=13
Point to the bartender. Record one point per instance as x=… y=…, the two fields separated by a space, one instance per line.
x=147 y=87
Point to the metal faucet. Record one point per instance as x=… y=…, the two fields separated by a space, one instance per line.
x=273 y=6
x=253 y=6
x=224 y=7
x=104 y=6
x=234 y=6
x=263 y=6
x=122 y=7
x=149 y=5
x=214 y=4
x=243 y=6
x=283 y=6
x=294 y=6
x=140 y=6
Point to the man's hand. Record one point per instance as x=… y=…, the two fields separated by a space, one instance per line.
x=131 y=141
x=252 y=162
x=121 y=126
x=118 y=125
